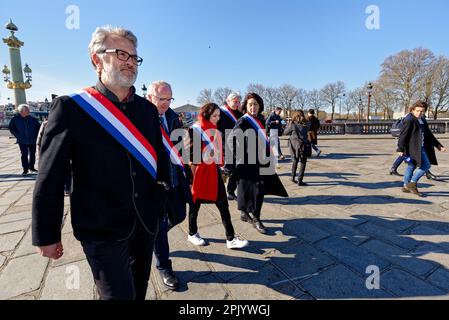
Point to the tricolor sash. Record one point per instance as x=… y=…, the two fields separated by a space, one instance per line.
x=204 y=137
x=255 y=123
x=102 y=110
x=172 y=151
x=229 y=113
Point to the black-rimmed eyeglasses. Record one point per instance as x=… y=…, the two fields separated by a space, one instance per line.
x=124 y=56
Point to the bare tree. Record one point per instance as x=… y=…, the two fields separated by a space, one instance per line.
x=315 y=100
x=270 y=98
x=205 y=96
x=355 y=100
x=256 y=88
x=221 y=94
x=405 y=72
x=385 y=99
x=440 y=85
x=301 y=99
x=286 y=97
x=330 y=94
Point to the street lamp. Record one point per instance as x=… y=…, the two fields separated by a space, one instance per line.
x=144 y=90
x=27 y=71
x=360 y=109
x=6 y=73
x=342 y=96
x=370 y=91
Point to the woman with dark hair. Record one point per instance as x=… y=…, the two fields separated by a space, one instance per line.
x=207 y=184
x=300 y=146
x=254 y=160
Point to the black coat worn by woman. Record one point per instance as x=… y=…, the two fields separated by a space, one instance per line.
x=257 y=176
x=300 y=147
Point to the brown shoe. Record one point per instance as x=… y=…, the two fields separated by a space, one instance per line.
x=404 y=189
x=413 y=188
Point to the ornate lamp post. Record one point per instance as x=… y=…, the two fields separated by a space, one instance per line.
x=144 y=90
x=14 y=77
x=370 y=91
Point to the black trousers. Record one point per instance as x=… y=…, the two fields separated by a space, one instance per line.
x=250 y=196
x=25 y=150
x=121 y=269
x=302 y=168
x=232 y=184
x=223 y=207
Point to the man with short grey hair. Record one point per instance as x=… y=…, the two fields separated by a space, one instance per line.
x=113 y=140
x=25 y=128
x=160 y=94
x=229 y=115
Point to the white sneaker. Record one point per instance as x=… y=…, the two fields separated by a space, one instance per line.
x=236 y=243
x=196 y=240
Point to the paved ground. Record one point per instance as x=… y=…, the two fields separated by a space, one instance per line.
x=327 y=241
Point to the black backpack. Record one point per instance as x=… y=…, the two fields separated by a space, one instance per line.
x=396 y=128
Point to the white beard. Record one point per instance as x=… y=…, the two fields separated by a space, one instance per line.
x=115 y=78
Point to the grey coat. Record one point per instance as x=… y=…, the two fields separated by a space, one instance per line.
x=299 y=144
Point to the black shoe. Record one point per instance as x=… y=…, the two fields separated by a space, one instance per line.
x=170 y=280
x=245 y=217
x=232 y=196
x=302 y=183
x=394 y=172
x=259 y=226
x=431 y=176
x=24 y=173
x=293 y=180
x=33 y=170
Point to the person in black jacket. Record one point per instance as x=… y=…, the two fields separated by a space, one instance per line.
x=300 y=147
x=160 y=94
x=313 y=131
x=225 y=126
x=116 y=201
x=416 y=142
x=274 y=128
x=25 y=128
x=254 y=164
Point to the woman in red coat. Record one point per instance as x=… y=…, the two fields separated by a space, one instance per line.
x=208 y=185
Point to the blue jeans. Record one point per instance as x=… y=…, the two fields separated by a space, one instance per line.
x=411 y=175
x=398 y=162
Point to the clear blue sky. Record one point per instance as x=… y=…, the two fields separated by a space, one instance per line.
x=197 y=44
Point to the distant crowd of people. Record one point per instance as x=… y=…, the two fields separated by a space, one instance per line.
x=117 y=154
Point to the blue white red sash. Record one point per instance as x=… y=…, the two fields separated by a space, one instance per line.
x=255 y=123
x=119 y=126
x=172 y=151
x=204 y=137
x=229 y=113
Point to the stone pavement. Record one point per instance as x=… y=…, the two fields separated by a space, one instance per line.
x=327 y=241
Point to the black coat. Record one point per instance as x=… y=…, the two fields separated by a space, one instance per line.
x=24 y=129
x=273 y=121
x=251 y=168
x=299 y=143
x=410 y=141
x=226 y=123
x=184 y=194
x=313 y=129
x=112 y=191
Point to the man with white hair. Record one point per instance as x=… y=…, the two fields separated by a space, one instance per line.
x=229 y=115
x=119 y=166
x=25 y=128
x=161 y=95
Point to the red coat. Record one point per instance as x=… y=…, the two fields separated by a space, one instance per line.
x=205 y=176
